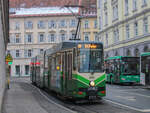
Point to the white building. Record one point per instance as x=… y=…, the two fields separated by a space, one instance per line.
x=33 y=30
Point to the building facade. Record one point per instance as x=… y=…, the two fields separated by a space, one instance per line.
x=4 y=31
x=31 y=33
x=89 y=28
x=124 y=26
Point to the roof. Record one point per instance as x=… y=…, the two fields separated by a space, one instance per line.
x=119 y=57
x=43 y=11
x=40 y=3
x=89 y=6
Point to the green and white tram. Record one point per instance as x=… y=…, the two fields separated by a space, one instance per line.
x=74 y=69
x=122 y=69
x=145 y=67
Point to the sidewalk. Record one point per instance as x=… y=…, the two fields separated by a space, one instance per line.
x=24 y=98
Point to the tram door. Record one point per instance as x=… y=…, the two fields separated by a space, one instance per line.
x=147 y=70
x=116 y=71
x=69 y=72
x=64 y=69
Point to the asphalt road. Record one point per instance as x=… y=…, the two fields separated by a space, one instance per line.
x=119 y=99
x=132 y=97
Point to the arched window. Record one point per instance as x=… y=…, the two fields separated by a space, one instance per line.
x=116 y=54
x=128 y=53
x=146 y=49
x=106 y=56
x=137 y=53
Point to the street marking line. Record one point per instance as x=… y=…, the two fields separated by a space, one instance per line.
x=71 y=111
x=130 y=98
x=133 y=108
x=133 y=93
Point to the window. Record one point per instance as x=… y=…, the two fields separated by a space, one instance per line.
x=28 y=25
x=86 y=37
x=26 y=69
x=73 y=23
x=51 y=38
x=145 y=25
x=52 y=24
x=134 y=5
x=29 y=53
x=17 y=69
x=62 y=23
x=28 y=38
x=17 y=38
x=106 y=39
x=136 y=52
x=116 y=35
x=126 y=7
x=135 y=28
x=41 y=25
x=17 y=26
x=8 y=51
x=41 y=51
x=115 y=12
x=72 y=36
x=96 y=37
x=127 y=31
x=86 y=24
x=63 y=37
x=17 y=53
x=95 y=24
x=144 y=2
x=41 y=37
x=106 y=18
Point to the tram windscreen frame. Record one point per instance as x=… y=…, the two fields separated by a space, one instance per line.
x=90 y=60
x=131 y=65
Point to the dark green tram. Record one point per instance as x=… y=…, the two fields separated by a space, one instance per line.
x=73 y=69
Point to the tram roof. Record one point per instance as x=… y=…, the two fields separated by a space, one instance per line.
x=119 y=57
x=145 y=54
x=67 y=45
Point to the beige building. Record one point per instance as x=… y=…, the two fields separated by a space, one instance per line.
x=89 y=28
x=35 y=29
x=124 y=26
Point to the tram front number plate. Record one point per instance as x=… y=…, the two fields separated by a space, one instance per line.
x=92 y=88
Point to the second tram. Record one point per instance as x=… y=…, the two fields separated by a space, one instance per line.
x=122 y=69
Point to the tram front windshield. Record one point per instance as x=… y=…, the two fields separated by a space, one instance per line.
x=131 y=66
x=90 y=60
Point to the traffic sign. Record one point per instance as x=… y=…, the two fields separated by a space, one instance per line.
x=8 y=58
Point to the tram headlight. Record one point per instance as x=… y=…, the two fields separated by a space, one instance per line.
x=92 y=83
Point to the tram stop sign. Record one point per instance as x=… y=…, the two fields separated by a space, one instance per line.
x=9 y=59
